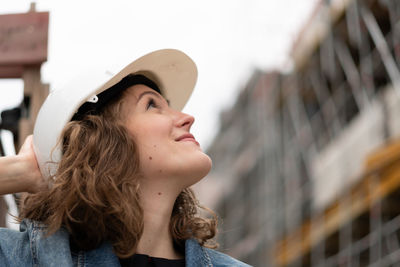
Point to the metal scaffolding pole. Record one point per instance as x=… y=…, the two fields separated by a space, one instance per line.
x=382 y=47
x=352 y=75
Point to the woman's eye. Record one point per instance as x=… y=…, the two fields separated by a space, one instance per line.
x=151 y=104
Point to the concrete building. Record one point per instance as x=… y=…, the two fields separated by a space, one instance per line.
x=307 y=164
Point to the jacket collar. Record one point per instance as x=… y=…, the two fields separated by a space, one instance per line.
x=56 y=249
x=196 y=255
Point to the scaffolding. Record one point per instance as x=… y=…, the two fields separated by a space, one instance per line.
x=311 y=158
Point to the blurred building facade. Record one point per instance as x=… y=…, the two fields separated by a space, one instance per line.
x=307 y=164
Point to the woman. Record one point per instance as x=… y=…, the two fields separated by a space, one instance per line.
x=118 y=161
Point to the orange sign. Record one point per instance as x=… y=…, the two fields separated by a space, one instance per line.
x=23 y=39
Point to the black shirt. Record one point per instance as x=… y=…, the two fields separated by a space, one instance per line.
x=140 y=260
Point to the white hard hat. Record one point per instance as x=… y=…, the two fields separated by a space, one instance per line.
x=172 y=70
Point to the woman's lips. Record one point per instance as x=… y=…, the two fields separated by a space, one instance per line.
x=187 y=138
x=190 y=140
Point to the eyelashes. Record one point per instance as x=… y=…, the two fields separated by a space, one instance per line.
x=151 y=103
x=157 y=103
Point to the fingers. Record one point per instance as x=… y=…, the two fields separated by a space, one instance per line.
x=27 y=147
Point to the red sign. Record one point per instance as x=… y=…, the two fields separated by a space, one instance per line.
x=23 y=39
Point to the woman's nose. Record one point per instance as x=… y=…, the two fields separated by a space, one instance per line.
x=184 y=120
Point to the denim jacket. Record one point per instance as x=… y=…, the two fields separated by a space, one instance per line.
x=29 y=247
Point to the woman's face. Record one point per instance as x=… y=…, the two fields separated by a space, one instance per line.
x=168 y=152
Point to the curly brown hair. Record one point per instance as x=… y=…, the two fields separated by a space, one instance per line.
x=95 y=191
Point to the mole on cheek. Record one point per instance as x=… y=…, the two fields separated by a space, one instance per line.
x=150 y=158
x=159 y=193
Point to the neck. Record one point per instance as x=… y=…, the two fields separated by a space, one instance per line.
x=156 y=240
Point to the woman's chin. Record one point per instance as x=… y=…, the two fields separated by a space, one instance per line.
x=200 y=169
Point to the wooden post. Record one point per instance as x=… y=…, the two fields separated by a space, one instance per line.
x=22 y=51
x=36 y=92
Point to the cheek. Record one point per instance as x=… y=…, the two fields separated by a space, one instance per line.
x=152 y=142
x=153 y=160
x=150 y=131
x=155 y=146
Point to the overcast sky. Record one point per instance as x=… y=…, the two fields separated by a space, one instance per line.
x=228 y=40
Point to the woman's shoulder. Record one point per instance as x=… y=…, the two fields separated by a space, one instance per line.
x=221 y=259
x=31 y=245
x=15 y=247
x=197 y=255
x=11 y=237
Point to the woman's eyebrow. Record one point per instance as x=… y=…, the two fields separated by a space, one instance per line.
x=148 y=92
x=151 y=93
